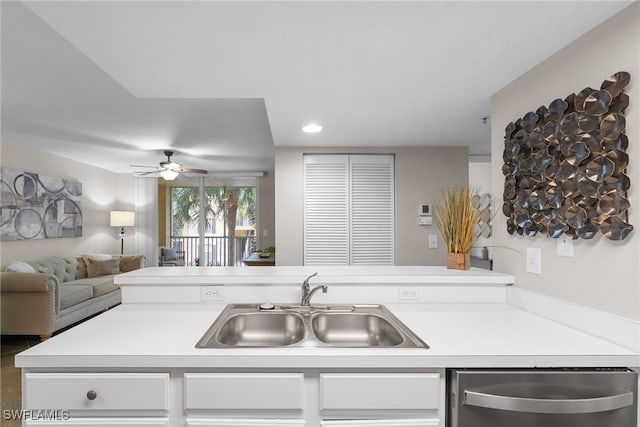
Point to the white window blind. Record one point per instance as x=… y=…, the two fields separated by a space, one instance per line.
x=348 y=210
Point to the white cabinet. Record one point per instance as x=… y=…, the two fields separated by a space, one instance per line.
x=384 y=391
x=97 y=391
x=239 y=399
x=425 y=422
x=243 y=391
x=210 y=422
x=97 y=422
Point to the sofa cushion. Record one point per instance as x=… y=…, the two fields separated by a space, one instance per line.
x=71 y=295
x=130 y=263
x=64 y=269
x=20 y=267
x=100 y=285
x=97 y=268
x=168 y=254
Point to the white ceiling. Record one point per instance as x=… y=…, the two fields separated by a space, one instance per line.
x=112 y=83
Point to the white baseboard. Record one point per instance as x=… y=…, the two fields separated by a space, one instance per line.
x=610 y=327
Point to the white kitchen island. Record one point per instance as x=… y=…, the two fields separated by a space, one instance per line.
x=140 y=360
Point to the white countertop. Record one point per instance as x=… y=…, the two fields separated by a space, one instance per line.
x=331 y=275
x=155 y=336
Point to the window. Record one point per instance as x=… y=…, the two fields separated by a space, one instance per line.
x=226 y=233
x=349 y=210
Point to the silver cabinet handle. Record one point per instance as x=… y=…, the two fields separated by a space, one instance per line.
x=548 y=406
x=91 y=395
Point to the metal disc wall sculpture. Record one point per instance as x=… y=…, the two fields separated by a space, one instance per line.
x=565 y=166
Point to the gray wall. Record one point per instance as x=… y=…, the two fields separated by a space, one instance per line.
x=102 y=191
x=420 y=175
x=603 y=274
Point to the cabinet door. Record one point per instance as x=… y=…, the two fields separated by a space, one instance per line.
x=424 y=422
x=220 y=422
x=96 y=391
x=240 y=391
x=326 y=210
x=379 y=391
x=97 y=422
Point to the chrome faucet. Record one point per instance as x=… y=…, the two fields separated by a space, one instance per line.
x=307 y=292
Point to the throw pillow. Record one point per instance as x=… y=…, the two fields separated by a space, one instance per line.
x=169 y=254
x=98 y=257
x=20 y=267
x=100 y=268
x=130 y=263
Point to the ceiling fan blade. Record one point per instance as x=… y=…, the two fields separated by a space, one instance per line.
x=144 y=173
x=143 y=166
x=190 y=170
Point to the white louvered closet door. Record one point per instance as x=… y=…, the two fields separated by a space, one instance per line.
x=372 y=209
x=326 y=210
x=348 y=210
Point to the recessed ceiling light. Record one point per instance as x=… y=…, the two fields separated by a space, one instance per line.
x=311 y=128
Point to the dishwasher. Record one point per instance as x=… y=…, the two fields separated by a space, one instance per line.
x=603 y=397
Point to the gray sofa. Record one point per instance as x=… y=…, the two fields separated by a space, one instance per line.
x=62 y=292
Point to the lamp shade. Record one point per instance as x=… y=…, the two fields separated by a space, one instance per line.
x=122 y=218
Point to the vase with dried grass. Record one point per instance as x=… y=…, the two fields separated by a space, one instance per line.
x=456 y=217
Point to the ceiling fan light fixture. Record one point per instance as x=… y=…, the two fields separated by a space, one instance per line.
x=168 y=175
x=311 y=128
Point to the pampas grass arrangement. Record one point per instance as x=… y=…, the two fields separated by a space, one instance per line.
x=456 y=218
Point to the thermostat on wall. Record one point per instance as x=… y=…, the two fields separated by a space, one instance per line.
x=424 y=214
x=424 y=209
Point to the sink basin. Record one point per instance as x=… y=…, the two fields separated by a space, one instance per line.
x=362 y=326
x=355 y=330
x=258 y=329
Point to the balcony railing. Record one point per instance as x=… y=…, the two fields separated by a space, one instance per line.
x=216 y=250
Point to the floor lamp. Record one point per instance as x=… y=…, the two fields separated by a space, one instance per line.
x=122 y=219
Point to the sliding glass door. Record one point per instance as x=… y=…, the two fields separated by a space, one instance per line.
x=213 y=221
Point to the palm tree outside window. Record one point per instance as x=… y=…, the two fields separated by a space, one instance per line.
x=226 y=233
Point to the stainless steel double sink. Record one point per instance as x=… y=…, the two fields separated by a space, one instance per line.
x=255 y=325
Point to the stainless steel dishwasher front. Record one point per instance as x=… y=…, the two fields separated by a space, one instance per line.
x=605 y=397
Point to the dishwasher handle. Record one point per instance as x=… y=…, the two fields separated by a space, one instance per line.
x=548 y=406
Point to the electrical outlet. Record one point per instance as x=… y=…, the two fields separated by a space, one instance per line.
x=406 y=293
x=211 y=293
x=565 y=246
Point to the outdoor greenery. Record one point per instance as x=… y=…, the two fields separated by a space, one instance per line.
x=227 y=203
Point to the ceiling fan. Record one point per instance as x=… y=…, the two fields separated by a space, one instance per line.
x=168 y=169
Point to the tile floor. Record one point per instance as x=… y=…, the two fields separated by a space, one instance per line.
x=10 y=384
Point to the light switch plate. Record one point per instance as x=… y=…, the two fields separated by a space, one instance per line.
x=565 y=246
x=433 y=241
x=534 y=260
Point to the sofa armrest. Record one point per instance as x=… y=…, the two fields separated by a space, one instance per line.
x=27 y=282
x=29 y=303
x=133 y=262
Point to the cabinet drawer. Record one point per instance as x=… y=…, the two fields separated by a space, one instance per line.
x=72 y=391
x=243 y=391
x=219 y=422
x=108 y=422
x=379 y=391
